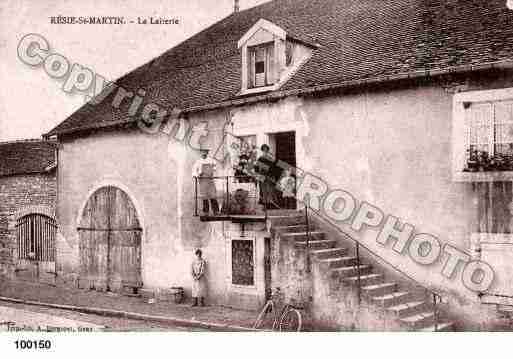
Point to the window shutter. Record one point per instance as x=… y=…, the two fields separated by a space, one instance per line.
x=270 y=64
x=251 y=72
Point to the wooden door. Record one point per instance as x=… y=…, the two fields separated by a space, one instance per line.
x=124 y=260
x=110 y=242
x=286 y=152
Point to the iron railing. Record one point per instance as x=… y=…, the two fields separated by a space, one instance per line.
x=431 y=296
x=227 y=196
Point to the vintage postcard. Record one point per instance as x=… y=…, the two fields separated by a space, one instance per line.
x=255 y=166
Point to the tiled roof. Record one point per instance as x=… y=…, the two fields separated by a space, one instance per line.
x=358 y=40
x=26 y=157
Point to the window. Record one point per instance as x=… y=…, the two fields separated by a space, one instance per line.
x=489 y=136
x=36 y=237
x=243 y=266
x=269 y=57
x=261 y=65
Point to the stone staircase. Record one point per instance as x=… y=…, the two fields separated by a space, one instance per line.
x=410 y=311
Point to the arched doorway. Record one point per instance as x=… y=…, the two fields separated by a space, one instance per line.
x=35 y=242
x=110 y=242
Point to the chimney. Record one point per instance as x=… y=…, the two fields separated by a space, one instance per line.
x=236 y=6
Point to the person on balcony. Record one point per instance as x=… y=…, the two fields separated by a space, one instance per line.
x=287 y=186
x=265 y=167
x=204 y=170
x=199 y=280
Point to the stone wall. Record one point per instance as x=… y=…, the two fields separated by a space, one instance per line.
x=20 y=195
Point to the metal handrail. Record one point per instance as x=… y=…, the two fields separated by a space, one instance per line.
x=308 y=259
x=437 y=298
x=226 y=180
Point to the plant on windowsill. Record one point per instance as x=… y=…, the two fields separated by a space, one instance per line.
x=247 y=154
x=481 y=161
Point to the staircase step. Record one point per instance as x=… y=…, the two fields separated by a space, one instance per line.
x=303 y=236
x=441 y=327
x=393 y=299
x=318 y=244
x=369 y=279
x=288 y=229
x=337 y=262
x=286 y=220
x=380 y=289
x=350 y=271
x=329 y=253
x=285 y=212
x=408 y=309
x=420 y=320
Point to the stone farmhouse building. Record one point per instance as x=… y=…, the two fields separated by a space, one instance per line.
x=406 y=107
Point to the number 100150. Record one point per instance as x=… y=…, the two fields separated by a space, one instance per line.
x=33 y=344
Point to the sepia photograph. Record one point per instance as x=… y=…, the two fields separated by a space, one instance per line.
x=255 y=167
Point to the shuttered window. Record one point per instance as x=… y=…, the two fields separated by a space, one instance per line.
x=36 y=237
x=261 y=65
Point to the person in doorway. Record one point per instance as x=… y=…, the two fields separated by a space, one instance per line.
x=288 y=189
x=204 y=170
x=199 y=281
x=265 y=168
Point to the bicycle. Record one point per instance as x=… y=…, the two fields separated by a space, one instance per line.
x=289 y=319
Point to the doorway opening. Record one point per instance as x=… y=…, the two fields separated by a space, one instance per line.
x=283 y=146
x=110 y=243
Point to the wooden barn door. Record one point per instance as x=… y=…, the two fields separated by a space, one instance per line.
x=110 y=242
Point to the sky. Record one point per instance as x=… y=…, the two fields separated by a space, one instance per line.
x=32 y=103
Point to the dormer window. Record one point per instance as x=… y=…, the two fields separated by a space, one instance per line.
x=269 y=57
x=261 y=65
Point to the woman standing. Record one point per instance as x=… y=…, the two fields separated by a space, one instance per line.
x=199 y=281
x=265 y=168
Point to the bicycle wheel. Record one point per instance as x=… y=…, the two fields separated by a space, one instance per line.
x=291 y=321
x=261 y=319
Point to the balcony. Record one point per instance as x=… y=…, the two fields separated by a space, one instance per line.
x=228 y=198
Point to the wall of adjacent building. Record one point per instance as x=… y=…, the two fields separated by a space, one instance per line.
x=22 y=193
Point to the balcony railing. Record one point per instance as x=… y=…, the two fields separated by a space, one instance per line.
x=228 y=198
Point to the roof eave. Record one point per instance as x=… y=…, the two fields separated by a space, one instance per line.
x=280 y=94
x=276 y=95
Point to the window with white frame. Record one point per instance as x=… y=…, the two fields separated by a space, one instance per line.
x=489 y=127
x=261 y=65
x=269 y=57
